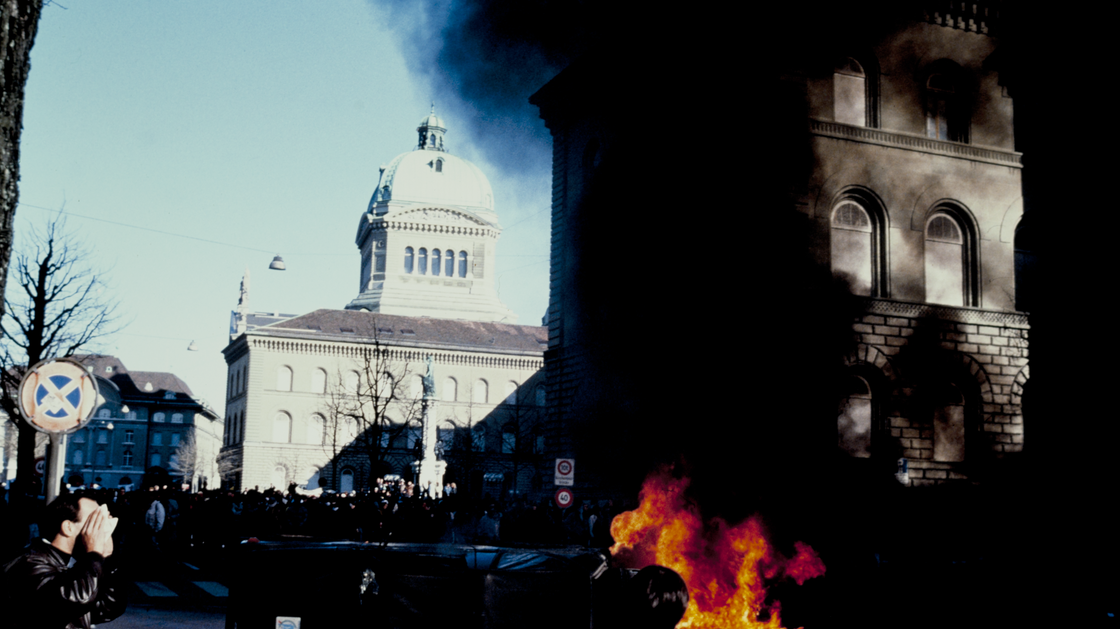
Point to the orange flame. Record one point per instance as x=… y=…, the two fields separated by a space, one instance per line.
x=726 y=567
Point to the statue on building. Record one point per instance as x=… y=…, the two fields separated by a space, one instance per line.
x=430 y=380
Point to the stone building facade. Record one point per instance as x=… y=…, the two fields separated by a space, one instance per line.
x=332 y=398
x=890 y=199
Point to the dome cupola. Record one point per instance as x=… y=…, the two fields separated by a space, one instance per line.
x=431 y=132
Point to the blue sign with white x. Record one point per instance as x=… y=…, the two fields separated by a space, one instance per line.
x=59 y=396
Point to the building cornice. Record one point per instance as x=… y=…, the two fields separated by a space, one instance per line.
x=400 y=351
x=979 y=316
x=917 y=143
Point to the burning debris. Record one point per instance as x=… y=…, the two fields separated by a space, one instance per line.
x=727 y=567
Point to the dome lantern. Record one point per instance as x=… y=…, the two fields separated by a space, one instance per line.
x=431 y=132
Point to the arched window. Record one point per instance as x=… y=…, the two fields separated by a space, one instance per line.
x=509 y=438
x=104 y=413
x=349 y=430
x=315 y=429
x=450 y=389
x=176 y=418
x=449 y=264
x=423 y=261
x=282 y=428
x=462 y=264
x=437 y=262
x=853 y=247
x=279 y=477
x=159 y=418
x=947 y=116
x=539 y=395
x=945 y=261
x=408 y=256
x=353 y=380
x=439 y=162
x=386 y=387
x=446 y=435
x=319 y=381
x=853 y=422
x=346 y=482
x=478 y=438
x=948 y=424
x=849 y=93
x=283 y=378
x=511 y=393
x=413 y=433
x=481 y=392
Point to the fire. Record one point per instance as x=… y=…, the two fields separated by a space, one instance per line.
x=727 y=568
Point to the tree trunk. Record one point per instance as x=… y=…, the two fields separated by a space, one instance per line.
x=19 y=21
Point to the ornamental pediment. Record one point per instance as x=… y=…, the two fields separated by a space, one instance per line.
x=440 y=215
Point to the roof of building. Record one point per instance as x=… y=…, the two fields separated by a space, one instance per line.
x=137 y=384
x=342 y=325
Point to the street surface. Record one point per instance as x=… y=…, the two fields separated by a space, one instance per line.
x=144 y=617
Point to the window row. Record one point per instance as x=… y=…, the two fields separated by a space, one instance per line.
x=442 y=262
x=945 y=90
x=159 y=418
x=387 y=387
x=100 y=458
x=236 y=384
x=861 y=432
x=316 y=430
x=858 y=245
x=234 y=431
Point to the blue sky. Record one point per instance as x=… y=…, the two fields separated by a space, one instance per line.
x=256 y=124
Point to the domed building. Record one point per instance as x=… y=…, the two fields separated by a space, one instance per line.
x=335 y=399
x=428 y=237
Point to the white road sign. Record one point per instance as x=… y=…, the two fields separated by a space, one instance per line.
x=565 y=472
x=58 y=396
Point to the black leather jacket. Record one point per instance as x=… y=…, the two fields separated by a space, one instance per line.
x=50 y=595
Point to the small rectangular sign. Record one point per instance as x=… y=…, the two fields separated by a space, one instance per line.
x=287 y=622
x=565 y=472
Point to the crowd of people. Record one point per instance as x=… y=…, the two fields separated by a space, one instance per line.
x=171 y=521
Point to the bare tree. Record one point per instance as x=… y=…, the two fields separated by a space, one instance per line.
x=367 y=407
x=186 y=458
x=229 y=466
x=55 y=305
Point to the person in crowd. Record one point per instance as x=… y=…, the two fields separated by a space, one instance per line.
x=69 y=580
x=655 y=598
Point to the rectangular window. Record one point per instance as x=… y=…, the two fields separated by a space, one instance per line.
x=157 y=438
x=102 y=436
x=128 y=458
x=174 y=438
x=128 y=436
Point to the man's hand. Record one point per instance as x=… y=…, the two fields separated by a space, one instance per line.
x=97 y=534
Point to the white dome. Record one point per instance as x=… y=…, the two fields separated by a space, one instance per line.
x=435 y=177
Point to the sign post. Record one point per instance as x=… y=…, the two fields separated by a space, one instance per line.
x=57 y=396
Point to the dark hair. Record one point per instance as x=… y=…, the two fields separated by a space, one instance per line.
x=64 y=508
x=658 y=596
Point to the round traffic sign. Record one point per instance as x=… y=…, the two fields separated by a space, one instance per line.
x=564 y=497
x=563 y=467
x=40 y=466
x=58 y=396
